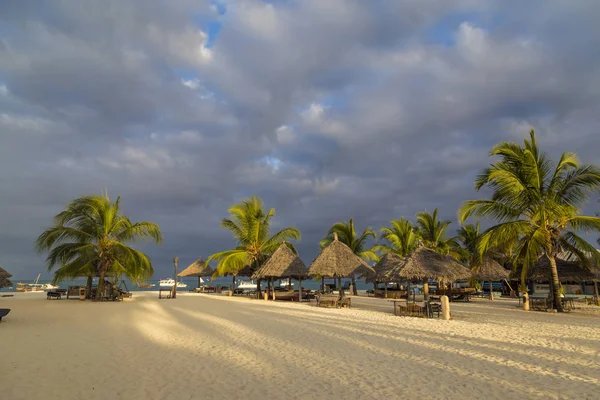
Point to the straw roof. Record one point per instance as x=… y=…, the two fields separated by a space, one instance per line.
x=573 y=271
x=386 y=270
x=197 y=268
x=4 y=273
x=337 y=259
x=490 y=270
x=283 y=263
x=4 y=282
x=424 y=263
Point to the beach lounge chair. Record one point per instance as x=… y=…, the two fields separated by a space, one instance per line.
x=53 y=295
x=4 y=312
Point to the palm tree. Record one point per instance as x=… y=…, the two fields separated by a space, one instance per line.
x=250 y=226
x=467 y=236
x=433 y=233
x=401 y=236
x=347 y=234
x=89 y=237
x=536 y=205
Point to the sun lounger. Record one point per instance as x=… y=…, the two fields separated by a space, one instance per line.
x=4 y=312
x=53 y=295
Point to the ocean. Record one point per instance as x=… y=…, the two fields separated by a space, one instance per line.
x=192 y=283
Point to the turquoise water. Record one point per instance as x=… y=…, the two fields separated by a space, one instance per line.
x=192 y=283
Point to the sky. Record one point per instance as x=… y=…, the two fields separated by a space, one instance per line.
x=326 y=109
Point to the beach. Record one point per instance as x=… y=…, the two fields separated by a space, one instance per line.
x=215 y=347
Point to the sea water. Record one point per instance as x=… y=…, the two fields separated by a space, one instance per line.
x=192 y=283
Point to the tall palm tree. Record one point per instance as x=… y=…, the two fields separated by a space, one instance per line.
x=89 y=237
x=536 y=205
x=347 y=234
x=402 y=238
x=433 y=233
x=250 y=225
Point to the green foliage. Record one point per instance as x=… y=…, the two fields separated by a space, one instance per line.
x=250 y=225
x=89 y=237
x=347 y=234
x=536 y=204
x=432 y=232
x=401 y=236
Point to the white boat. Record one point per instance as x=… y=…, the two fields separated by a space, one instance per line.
x=35 y=287
x=170 y=283
x=246 y=285
x=283 y=283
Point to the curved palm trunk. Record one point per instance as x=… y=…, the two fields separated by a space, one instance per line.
x=354 y=290
x=258 y=289
x=88 y=285
x=555 y=284
x=100 y=288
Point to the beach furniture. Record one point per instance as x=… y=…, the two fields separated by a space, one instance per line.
x=4 y=312
x=165 y=295
x=53 y=295
x=328 y=300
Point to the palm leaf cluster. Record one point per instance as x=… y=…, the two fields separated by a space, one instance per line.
x=250 y=225
x=89 y=239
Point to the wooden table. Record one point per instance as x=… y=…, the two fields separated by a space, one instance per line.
x=165 y=296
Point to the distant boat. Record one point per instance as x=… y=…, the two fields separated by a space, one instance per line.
x=170 y=283
x=35 y=287
x=246 y=285
x=146 y=286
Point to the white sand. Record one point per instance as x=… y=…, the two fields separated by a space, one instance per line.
x=210 y=347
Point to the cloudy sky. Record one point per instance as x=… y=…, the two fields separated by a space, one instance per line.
x=327 y=109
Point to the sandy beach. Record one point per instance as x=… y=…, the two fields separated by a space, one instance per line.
x=213 y=347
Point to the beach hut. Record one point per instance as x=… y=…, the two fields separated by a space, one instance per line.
x=424 y=264
x=283 y=263
x=4 y=281
x=198 y=268
x=385 y=271
x=490 y=270
x=339 y=261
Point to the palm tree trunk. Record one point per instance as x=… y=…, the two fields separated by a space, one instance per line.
x=426 y=289
x=89 y=283
x=100 y=287
x=491 y=292
x=596 y=299
x=354 y=290
x=555 y=284
x=232 y=286
x=258 y=289
x=323 y=284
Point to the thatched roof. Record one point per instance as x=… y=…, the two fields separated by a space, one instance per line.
x=283 y=263
x=4 y=282
x=4 y=273
x=386 y=270
x=573 y=271
x=424 y=263
x=337 y=259
x=490 y=270
x=197 y=268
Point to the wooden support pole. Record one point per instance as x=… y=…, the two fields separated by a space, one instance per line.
x=445 y=307
x=525 y=301
x=174 y=292
x=299 y=289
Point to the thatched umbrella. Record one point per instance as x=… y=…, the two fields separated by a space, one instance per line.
x=198 y=268
x=385 y=270
x=424 y=264
x=337 y=261
x=4 y=274
x=490 y=270
x=283 y=263
x=4 y=281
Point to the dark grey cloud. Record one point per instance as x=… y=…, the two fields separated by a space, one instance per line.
x=326 y=109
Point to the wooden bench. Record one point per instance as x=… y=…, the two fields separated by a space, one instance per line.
x=164 y=296
x=328 y=300
x=53 y=295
